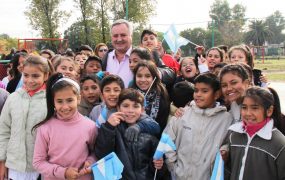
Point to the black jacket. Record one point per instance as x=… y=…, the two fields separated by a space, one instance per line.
x=135 y=156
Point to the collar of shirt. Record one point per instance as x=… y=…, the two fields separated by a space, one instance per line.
x=128 y=53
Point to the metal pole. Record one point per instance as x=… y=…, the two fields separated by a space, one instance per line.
x=127 y=9
x=213 y=33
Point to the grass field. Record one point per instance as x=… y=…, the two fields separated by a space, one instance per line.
x=273 y=69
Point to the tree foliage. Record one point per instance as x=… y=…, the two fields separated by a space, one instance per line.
x=45 y=17
x=87 y=13
x=276 y=24
x=7 y=43
x=228 y=21
x=258 y=33
x=139 y=11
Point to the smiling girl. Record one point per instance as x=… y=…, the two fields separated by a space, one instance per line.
x=234 y=81
x=257 y=148
x=65 y=137
x=188 y=70
x=147 y=81
x=23 y=109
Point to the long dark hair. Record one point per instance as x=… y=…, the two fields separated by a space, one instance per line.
x=267 y=98
x=279 y=120
x=52 y=87
x=157 y=85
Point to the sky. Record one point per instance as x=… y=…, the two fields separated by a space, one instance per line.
x=183 y=13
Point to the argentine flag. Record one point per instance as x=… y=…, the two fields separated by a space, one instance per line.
x=108 y=168
x=173 y=39
x=102 y=117
x=165 y=145
x=218 y=171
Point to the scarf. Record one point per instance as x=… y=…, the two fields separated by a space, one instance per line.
x=33 y=92
x=251 y=129
x=151 y=103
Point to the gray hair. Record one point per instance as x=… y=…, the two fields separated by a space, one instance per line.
x=123 y=21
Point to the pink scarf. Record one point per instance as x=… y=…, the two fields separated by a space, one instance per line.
x=33 y=92
x=251 y=129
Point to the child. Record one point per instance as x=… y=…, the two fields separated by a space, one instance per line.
x=213 y=56
x=23 y=109
x=136 y=156
x=234 y=81
x=90 y=94
x=182 y=94
x=257 y=148
x=137 y=55
x=199 y=132
x=66 y=66
x=80 y=58
x=64 y=137
x=242 y=54
x=111 y=86
x=218 y=67
x=147 y=81
x=149 y=40
x=188 y=70
x=93 y=65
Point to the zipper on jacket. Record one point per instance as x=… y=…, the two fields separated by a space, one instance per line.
x=241 y=172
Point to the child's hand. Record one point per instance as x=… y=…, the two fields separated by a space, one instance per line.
x=224 y=155
x=202 y=60
x=116 y=118
x=86 y=169
x=179 y=112
x=158 y=163
x=263 y=78
x=71 y=173
x=3 y=171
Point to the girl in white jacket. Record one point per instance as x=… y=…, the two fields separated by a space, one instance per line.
x=23 y=109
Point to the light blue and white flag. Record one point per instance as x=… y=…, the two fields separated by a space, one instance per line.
x=108 y=168
x=102 y=117
x=218 y=171
x=165 y=145
x=173 y=39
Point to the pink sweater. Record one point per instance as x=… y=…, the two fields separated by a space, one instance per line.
x=64 y=143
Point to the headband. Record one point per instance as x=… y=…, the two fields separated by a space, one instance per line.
x=70 y=81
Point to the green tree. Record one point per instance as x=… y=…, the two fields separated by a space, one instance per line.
x=87 y=13
x=45 y=17
x=227 y=22
x=139 y=10
x=276 y=24
x=7 y=43
x=102 y=7
x=220 y=12
x=258 y=33
x=76 y=34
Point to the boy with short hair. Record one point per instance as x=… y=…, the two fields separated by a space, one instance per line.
x=199 y=133
x=93 y=65
x=135 y=155
x=111 y=87
x=90 y=94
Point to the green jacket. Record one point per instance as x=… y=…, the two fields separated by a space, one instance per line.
x=19 y=114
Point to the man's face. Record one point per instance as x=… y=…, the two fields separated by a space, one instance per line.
x=121 y=38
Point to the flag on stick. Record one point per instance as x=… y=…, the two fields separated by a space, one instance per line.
x=165 y=145
x=108 y=168
x=218 y=171
x=173 y=39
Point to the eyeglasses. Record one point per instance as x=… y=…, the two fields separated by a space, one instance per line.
x=103 y=50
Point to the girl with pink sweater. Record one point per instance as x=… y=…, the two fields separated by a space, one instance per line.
x=64 y=139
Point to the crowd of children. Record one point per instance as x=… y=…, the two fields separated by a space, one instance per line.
x=65 y=112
